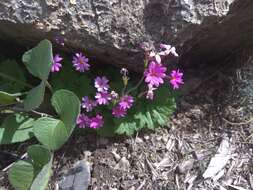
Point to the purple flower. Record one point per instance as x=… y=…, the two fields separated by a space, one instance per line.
x=103 y=98
x=118 y=112
x=83 y=121
x=126 y=102
x=154 y=74
x=96 y=122
x=88 y=104
x=101 y=83
x=56 y=66
x=168 y=50
x=150 y=93
x=80 y=62
x=176 y=78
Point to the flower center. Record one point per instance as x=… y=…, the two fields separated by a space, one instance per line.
x=173 y=78
x=81 y=61
x=154 y=73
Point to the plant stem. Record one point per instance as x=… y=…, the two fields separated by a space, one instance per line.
x=9 y=166
x=49 y=87
x=18 y=109
x=15 y=80
x=123 y=90
x=137 y=85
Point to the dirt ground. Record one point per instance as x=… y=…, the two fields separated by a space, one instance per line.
x=213 y=122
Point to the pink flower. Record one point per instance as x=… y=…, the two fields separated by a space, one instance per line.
x=83 y=121
x=96 y=122
x=88 y=104
x=168 y=50
x=101 y=83
x=126 y=102
x=56 y=66
x=103 y=98
x=154 y=74
x=80 y=62
x=150 y=93
x=118 y=112
x=176 y=78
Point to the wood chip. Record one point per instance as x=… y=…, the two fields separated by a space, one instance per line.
x=219 y=161
x=73 y=2
x=185 y=166
x=233 y=187
x=123 y=164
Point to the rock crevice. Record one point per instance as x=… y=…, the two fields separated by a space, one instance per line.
x=112 y=29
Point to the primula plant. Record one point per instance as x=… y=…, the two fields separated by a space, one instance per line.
x=68 y=96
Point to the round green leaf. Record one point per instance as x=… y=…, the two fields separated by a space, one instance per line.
x=39 y=60
x=35 y=97
x=67 y=105
x=16 y=128
x=39 y=154
x=42 y=179
x=51 y=132
x=21 y=175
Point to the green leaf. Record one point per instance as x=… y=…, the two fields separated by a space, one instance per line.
x=35 y=97
x=39 y=60
x=67 y=105
x=126 y=125
x=21 y=175
x=51 y=132
x=148 y=114
x=6 y=98
x=109 y=127
x=16 y=128
x=68 y=79
x=42 y=179
x=157 y=112
x=12 y=77
x=27 y=56
x=40 y=155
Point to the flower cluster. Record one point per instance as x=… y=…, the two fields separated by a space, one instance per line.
x=155 y=74
x=125 y=103
x=103 y=97
x=80 y=63
x=83 y=121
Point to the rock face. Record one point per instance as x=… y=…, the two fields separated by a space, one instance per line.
x=111 y=30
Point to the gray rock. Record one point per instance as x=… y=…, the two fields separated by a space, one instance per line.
x=111 y=30
x=77 y=178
